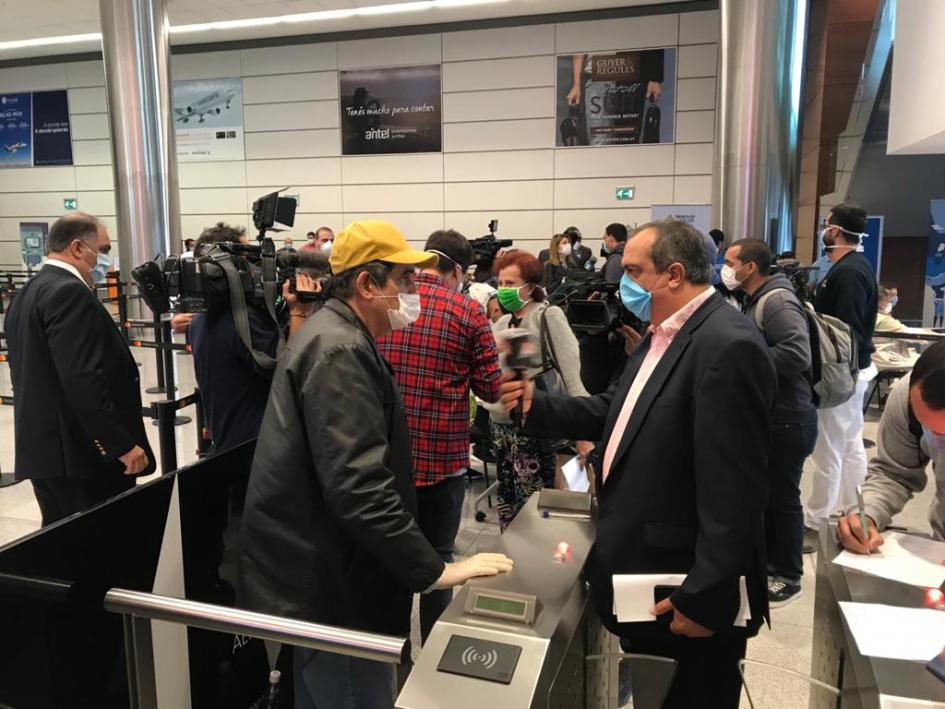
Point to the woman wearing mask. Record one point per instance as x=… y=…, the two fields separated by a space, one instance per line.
x=559 y=261
x=526 y=464
x=885 y=322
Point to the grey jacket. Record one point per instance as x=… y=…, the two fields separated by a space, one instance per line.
x=785 y=329
x=898 y=470
x=612 y=270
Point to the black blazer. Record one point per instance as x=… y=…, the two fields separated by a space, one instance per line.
x=77 y=398
x=687 y=489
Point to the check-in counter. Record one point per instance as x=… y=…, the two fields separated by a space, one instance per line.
x=865 y=682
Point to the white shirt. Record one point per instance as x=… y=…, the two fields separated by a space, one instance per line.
x=68 y=267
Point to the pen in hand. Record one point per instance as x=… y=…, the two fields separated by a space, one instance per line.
x=861 y=512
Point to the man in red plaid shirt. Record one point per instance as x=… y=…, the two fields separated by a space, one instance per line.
x=435 y=361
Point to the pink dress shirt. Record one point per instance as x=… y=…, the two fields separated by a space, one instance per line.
x=661 y=338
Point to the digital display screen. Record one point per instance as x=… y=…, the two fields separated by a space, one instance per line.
x=501 y=605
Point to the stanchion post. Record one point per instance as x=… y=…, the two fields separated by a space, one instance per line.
x=166 y=441
x=122 y=306
x=167 y=353
x=158 y=359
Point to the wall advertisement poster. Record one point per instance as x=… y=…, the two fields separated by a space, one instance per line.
x=208 y=117
x=935 y=264
x=391 y=110
x=34 y=129
x=616 y=98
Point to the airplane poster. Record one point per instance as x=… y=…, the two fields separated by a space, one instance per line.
x=16 y=130
x=208 y=119
x=391 y=110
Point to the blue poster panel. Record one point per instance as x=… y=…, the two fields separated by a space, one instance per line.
x=52 y=138
x=873 y=243
x=935 y=262
x=616 y=98
x=16 y=135
x=391 y=110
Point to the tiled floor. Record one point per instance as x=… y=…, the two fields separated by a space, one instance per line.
x=786 y=645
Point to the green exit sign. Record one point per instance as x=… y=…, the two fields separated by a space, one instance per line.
x=624 y=193
x=70 y=204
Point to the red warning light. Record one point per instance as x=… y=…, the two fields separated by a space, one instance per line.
x=562 y=551
x=935 y=597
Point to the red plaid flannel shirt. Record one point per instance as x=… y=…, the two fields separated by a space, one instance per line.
x=435 y=360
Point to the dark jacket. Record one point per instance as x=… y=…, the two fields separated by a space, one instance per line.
x=554 y=275
x=234 y=388
x=686 y=493
x=75 y=384
x=849 y=292
x=328 y=530
x=787 y=334
x=612 y=271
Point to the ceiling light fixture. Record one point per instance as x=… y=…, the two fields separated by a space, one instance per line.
x=303 y=17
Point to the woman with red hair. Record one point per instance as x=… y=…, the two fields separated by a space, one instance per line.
x=526 y=464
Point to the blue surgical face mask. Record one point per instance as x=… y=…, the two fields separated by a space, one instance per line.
x=935 y=440
x=893 y=301
x=635 y=298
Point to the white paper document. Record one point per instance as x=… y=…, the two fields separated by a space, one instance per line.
x=906 y=558
x=576 y=475
x=897 y=633
x=633 y=596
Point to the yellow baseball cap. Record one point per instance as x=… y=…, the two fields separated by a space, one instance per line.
x=374 y=240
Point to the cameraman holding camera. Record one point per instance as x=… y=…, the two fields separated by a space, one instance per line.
x=233 y=385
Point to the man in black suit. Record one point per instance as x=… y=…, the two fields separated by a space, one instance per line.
x=684 y=491
x=80 y=436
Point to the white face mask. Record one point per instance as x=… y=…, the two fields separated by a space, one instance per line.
x=326 y=247
x=729 y=279
x=564 y=249
x=408 y=312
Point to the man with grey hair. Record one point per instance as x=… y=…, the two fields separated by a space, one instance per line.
x=681 y=491
x=79 y=434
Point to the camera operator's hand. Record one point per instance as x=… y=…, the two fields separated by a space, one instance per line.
x=511 y=390
x=135 y=460
x=304 y=283
x=631 y=338
x=180 y=322
x=486 y=564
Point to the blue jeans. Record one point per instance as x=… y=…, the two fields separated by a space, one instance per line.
x=327 y=681
x=439 y=513
x=784 y=518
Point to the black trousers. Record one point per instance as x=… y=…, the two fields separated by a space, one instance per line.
x=784 y=517
x=60 y=497
x=707 y=676
x=439 y=511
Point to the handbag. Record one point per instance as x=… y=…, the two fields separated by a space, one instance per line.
x=549 y=379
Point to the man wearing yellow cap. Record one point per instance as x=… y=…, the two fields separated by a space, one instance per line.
x=329 y=533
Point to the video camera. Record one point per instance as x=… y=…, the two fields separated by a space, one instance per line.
x=485 y=249
x=798 y=275
x=207 y=279
x=593 y=305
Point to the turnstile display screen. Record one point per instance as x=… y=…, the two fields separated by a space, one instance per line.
x=501 y=605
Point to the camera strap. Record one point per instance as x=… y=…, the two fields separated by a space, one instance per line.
x=269 y=285
x=241 y=315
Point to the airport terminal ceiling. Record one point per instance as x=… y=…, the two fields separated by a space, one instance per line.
x=25 y=20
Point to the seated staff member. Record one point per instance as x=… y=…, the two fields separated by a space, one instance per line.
x=911 y=433
x=682 y=490
x=885 y=322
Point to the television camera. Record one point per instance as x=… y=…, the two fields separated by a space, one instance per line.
x=798 y=275
x=485 y=249
x=214 y=275
x=593 y=305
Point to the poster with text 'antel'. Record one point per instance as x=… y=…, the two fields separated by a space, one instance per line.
x=34 y=129
x=391 y=110
x=208 y=119
x=616 y=98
